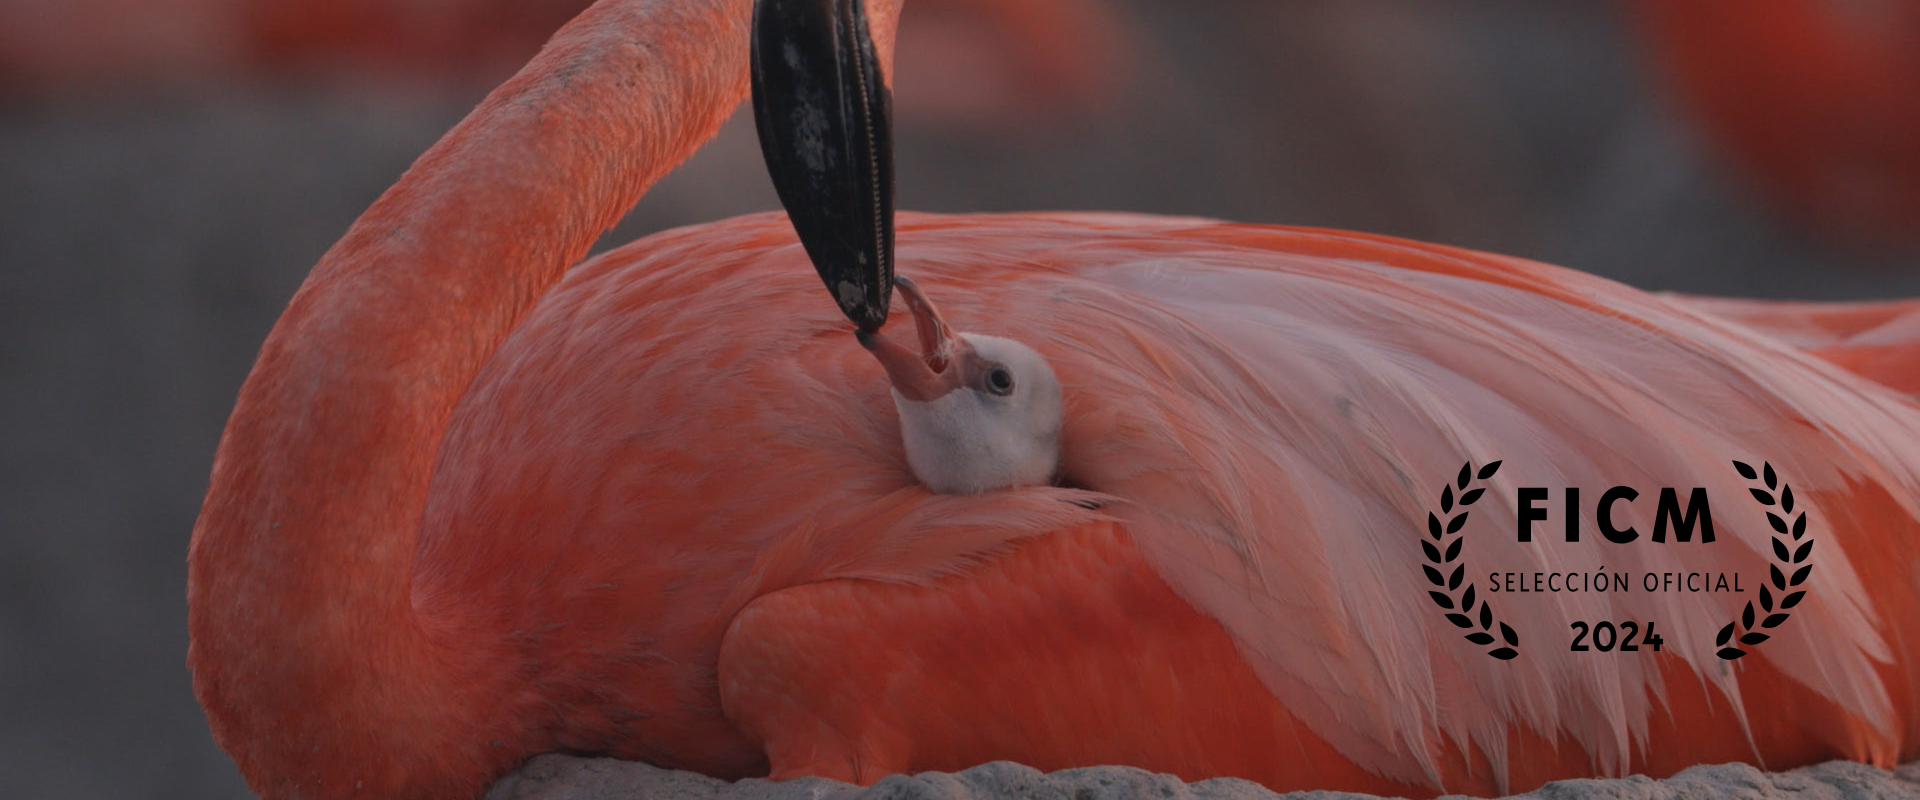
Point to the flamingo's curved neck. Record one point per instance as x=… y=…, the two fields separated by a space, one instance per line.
x=316 y=672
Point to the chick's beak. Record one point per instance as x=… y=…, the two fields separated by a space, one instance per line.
x=933 y=371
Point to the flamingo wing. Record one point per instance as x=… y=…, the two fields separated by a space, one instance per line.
x=1265 y=415
x=1877 y=340
x=1280 y=410
x=1067 y=651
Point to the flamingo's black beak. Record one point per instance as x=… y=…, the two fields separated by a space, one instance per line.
x=826 y=129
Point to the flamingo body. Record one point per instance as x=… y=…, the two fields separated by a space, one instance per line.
x=473 y=506
x=814 y=571
x=1875 y=340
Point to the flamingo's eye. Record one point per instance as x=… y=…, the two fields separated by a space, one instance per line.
x=999 y=381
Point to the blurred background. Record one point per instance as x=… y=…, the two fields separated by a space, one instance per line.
x=170 y=169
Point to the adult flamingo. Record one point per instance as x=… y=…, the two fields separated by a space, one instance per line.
x=473 y=506
x=1816 y=102
x=1003 y=64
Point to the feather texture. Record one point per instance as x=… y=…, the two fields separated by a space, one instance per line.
x=1270 y=413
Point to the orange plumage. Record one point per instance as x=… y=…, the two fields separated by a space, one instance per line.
x=473 y=506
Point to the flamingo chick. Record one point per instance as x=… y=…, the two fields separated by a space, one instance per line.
x=977 y=412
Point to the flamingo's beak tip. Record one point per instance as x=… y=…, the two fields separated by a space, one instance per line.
x=925 y=373
x=820 y=98
x=906 y=368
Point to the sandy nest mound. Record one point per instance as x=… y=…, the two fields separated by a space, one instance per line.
x=555 y=777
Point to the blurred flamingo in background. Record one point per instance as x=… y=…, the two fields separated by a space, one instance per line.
x=419 y=36
x=1816 y=103
x=993 y=66
x=473 y=505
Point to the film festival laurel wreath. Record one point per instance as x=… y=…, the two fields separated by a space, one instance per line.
x=1443 y=552
x=1446 y=569
x=1781 y=550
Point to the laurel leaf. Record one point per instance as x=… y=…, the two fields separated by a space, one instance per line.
x=1726 y=632
x=1486 y=616
x=1442 y=600
x=1434 y=577
x=1801 y=574
x=1745 y=471
x=1453 y=550
x=1730 y=653
x=1459 y=521
x=1792 y=600
x=1454 y=581
x=1504 y=653
x=1779 y=580
x=1488 y=470
x=1766 y=471
x=1801 y=554
x=1466 y=471
x=1777 y=523
x=1753 y=638
x=1779 y=549
x=1800 y=525
x=1764 y=498
x=1460 y=620
x=1478 y=637
x=1786 y=499
x=1468 y=498
x=1446 y=499
x=1508 y=634
x=1766 y=599
x=1433 y=526
x=1773 y=620
x=1746 y=617
x=1466 y=600
x=1433 y=553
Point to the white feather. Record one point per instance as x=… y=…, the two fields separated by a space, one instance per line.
x=1281 y=425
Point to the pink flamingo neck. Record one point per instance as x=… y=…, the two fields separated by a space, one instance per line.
x=317 y=673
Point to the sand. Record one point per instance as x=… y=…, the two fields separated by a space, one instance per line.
x=556 y=777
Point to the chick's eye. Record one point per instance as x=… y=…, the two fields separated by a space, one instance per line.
x=1000 y=381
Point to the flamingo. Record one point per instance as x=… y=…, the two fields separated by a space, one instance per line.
x=476 y=503
x=1003 y=65
x=1816 y=102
